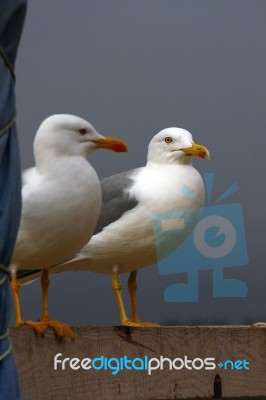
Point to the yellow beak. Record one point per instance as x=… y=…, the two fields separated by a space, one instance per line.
x=197 y=150
x=112 y=144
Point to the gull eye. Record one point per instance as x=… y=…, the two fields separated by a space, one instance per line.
x=168 y=140
x=83 y=131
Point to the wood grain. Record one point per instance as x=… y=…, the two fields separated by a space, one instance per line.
x=34 y=357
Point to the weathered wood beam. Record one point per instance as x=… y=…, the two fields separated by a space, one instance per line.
x=241 y=349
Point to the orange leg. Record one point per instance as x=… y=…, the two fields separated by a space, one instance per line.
x=45 y=282
x=117 y=287
x=132 y=288
x=60 y=328
x=15 y=286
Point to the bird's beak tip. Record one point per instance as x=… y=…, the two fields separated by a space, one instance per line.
x=198 y=150
x=205 y=156
x=117 y=145
x=120 y=147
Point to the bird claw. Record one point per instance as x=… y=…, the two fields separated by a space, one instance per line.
x=38 y=326
x=59 y=328
x=139 y=324
x=148 y=325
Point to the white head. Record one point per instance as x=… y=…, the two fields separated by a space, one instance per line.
x=175 y=146
x=68 y=135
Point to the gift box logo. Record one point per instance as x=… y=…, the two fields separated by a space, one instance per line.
x=204 y=238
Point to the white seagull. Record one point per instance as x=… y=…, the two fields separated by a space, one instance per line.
x=61 y=202
x=124 y=238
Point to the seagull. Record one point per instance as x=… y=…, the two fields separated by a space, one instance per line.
x=124 y=238
x=61 y=202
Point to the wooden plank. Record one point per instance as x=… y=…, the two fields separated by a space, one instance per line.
x=34 y=357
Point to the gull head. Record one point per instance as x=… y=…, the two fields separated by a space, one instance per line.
x=175 y=146
x=68 y=135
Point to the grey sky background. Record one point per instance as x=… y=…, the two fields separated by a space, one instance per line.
x=133 y=68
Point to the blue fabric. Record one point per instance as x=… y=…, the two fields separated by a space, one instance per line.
x=12 y=14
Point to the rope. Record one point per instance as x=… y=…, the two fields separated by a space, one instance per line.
x=6 y=270
x=8 y=63
x=9 y=124
x=9 y=349
x=3 y=279
x=4 y=336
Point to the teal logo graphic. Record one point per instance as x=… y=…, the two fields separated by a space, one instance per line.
x=204 y=238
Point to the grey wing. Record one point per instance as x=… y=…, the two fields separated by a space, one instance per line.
x=115 y=198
